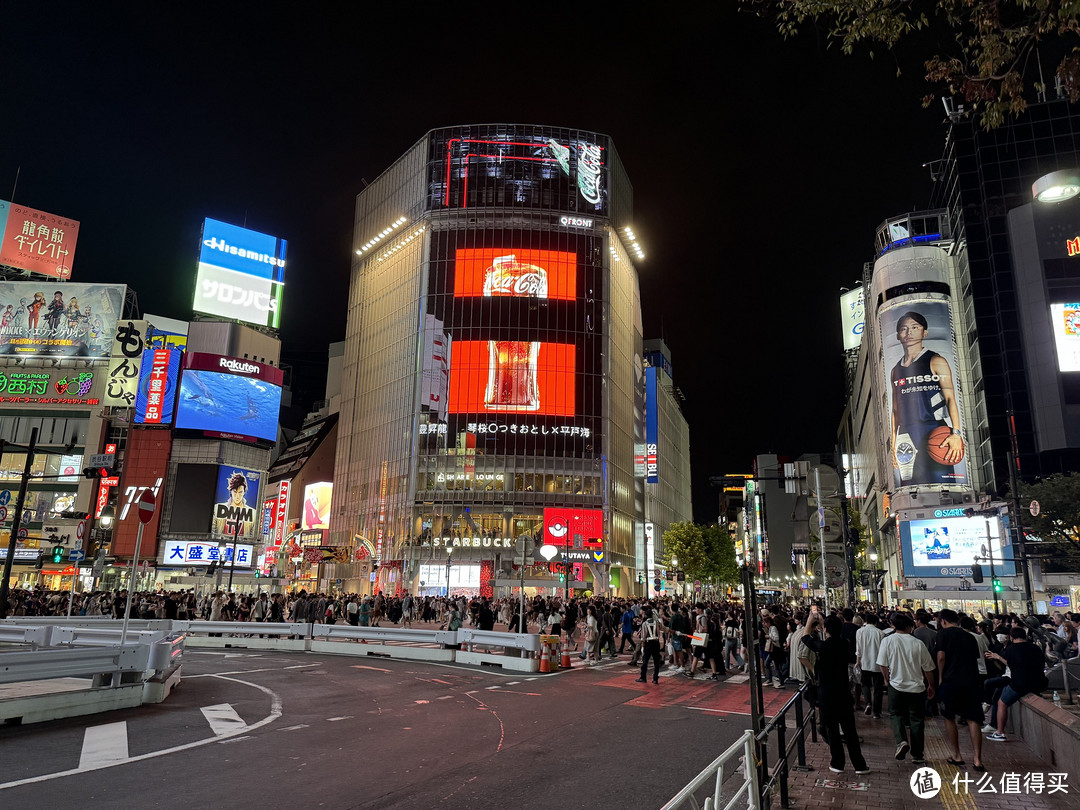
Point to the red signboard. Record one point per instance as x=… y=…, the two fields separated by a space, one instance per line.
x=561 y=526
x=520 y=377
x=159 y=374
x=103 y=493
x=36 y=241
x=515 y=273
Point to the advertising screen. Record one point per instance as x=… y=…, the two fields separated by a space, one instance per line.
x=926 y=444
x=947 y=546
x=68 y=320
x=241 y=274
x=29 y=385
x=515 y=273
x=36 y=241
x=1065 y=325
x=167 y=333
x=507 y=376
x=563 y=526
x=853 y=317
x=235 y=499
x=317 y=506
x=156 y=393
x=229 y=397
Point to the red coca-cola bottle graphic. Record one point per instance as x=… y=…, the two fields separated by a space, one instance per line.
x=512 y=379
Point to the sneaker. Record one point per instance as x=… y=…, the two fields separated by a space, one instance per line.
x=836 y=770
x=677 y=670
x=988 y=729
x=877 y=716
x=918 y=760
x=868 y=710
x=863 y=770
x=901 y=750
x=641 y=680
x=996 y=737
x=777 y=683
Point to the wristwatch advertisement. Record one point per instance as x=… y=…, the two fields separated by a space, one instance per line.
x=905 y=456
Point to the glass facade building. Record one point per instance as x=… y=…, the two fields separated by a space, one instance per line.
x=491 y=378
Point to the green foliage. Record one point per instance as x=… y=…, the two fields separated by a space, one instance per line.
x=1059 y=508
x=684 y=542
x=720 y=555
x=986 y=48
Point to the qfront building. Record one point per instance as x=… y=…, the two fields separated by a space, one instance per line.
x=493 y=395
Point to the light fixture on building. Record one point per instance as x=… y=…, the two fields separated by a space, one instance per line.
x=871 y=552
x=1056 y=187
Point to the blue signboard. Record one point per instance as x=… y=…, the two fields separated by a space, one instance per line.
x=158 y=378
x=241 y=274
x=652 y=426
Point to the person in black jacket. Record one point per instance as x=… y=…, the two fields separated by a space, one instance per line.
x=1025 y=662
x=834 y=699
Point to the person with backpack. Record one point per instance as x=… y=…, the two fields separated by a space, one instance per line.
x=650 y=631
x=628 y=631
x=732 y=635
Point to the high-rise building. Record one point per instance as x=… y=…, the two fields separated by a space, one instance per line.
x=492 y=392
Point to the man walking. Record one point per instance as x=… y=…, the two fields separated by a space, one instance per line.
x=867 y=642
x=627 y=631
x=908 y=671
x=650 y=644
x=958 y=676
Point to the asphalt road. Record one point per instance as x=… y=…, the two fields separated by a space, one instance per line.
x=249 y=729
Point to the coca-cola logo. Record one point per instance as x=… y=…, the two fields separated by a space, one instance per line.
x=588 y=173
x=526 y=284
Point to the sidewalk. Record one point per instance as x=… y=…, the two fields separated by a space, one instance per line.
x=1012 y=778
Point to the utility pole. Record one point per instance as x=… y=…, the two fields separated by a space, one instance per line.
x=16 y=522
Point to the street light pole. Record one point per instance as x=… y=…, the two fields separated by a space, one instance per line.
x=449 y=552
x=16 y=523
x=988 y=550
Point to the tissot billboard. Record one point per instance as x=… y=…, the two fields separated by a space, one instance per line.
x=241 y=274
x=229 y=397
x=58 y=320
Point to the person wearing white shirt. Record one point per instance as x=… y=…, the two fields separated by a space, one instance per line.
x=908 y=671
x=867 y=642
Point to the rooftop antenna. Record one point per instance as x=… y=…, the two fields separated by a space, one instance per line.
x=16 y=185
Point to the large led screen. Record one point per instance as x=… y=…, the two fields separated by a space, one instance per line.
x=947 y=546
x=37 y=241
x=509 y=376
x=926 y=444
x=317 y=505
x=156 y=394
x=563 y=526
x=58 y=320
x=237 y=492
x=1065 y=324
x=240 y=401
x=515 y=273
x=241 y=274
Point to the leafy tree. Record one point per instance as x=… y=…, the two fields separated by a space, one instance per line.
x=684 y=541
x=720 y=555
x=1058 y=521
x=985 y=51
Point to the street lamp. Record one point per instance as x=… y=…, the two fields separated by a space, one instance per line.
x=449 y=552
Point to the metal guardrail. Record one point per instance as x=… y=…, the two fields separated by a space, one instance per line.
x=749 y=787
x=439 y=638
x=529 y=642
x=19 y=634
x=38 y=665
x=299 y=629
x=784 y=748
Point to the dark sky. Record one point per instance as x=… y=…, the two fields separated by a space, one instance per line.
x=760 y=166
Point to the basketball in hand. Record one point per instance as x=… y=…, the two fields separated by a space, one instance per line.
x=936 y=451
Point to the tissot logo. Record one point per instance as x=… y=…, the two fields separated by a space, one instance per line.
x=918 y=378
x=238 y=366
x=220 y=244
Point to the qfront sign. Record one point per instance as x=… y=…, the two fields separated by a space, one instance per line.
x=241 y=274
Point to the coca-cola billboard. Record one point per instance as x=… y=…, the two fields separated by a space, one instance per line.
x=506 y=376
x=548 y=274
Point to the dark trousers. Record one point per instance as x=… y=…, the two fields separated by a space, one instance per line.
x=837 y=718
x=908 y=709
x=625 y=638
x=873 y=689
x=651 y=653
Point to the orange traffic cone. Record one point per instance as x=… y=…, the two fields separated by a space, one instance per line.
x=565 y=662
x=545 y=658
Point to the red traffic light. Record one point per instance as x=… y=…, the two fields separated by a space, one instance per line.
x=98 y=472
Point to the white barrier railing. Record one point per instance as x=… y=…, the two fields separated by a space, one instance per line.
x=749 y=791
x=382 y=635
x=19 y=634
x=527 y=642
x=38 y=665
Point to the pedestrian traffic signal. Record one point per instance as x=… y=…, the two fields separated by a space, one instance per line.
x=58 y=554
x=98 y=472
x=210 y=569
x=976 y=574
x=40 y=563
x=997 y=586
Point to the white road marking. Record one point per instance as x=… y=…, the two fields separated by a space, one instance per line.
x=300 y=666
x=294 y=728
x=335 y=719
x=445 y=697
x=236 y=739
x=103 y=746
x=512 y=683
x=373 y=669
x=223 y=719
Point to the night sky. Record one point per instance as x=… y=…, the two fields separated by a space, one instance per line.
x=760 y=166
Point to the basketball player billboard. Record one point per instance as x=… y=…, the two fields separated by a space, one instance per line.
x=926 y=442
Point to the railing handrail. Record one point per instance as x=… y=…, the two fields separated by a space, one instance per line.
x=38 y=665
x=763 y=735
x=715 y=770
x=417 y=636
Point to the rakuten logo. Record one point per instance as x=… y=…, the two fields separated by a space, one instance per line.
x=238 y=366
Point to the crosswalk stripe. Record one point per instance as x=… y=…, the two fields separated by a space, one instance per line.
x=103 y=745
x=223 y=719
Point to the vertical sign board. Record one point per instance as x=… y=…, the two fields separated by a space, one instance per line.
x=125 y=361
x=652 y=426
x=158 y=380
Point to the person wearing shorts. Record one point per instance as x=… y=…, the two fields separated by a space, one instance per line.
x=957 y=655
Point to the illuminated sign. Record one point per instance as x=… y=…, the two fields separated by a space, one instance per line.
x=36 y=241
x=76 y=321
x=472 y=542
x=282 y=511
x=241 y=274
x=47 y=387
x=234 y=515
x=316 y=513
x=515 y=273
x=853 y=317
x=103 y=493
x=947 y=546
x=565 y=527
x=494 y=376
x=652 y=426
x=167 y=333
x=125 y=363
x=156 y=394
x=181 y=552
x=1073 y=246
x=442 y=477
x=513 y=428
x=1065 y=326
x=576 y=222
x=241 y=405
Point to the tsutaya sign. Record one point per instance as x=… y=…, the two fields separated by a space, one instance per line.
x=473 y=542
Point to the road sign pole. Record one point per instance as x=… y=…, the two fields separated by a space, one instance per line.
x=821 y=538
x=71 y=593
x=16 y=523
x=131 y=588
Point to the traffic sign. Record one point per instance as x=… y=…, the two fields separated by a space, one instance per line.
x=23 y=533
x=1033 y=507
x=147 y=505
x=5 y=497
x=102 y=460
x=3 y=513
x=76 y=555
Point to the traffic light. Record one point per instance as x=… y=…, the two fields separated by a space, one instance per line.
x=976 y=574
x=58 y=554
x=210 y=569
x=997 y=586
x=40 y=562
x=258 y=573
x=98 y=472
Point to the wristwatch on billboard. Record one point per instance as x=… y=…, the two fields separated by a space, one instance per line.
x=905 y=456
